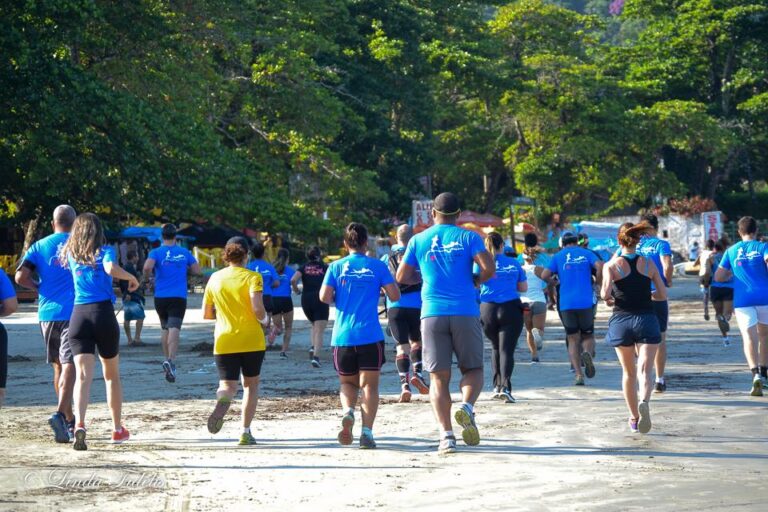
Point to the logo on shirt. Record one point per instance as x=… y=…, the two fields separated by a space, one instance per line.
x=361 y=273
x=55 y=261
x=507 y=269
x=264 y=271
x=438 y=247
x=578 y=260
x=742 y=256
x=170 y=259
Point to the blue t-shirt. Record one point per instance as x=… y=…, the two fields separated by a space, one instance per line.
x=445 y=254
x=56 y=293
x=92 y=283
x=6 y=286
x=747 y=262
x=357 y=280
x=574 y=265
x=267 y=271
x=716 y=259
x=171 y=265
x=654 y=248
x=407 y=300
x=503 y=287
x=284 y=290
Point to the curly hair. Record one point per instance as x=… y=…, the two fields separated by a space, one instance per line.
x=85 y=240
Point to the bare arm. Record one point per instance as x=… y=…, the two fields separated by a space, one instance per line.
x=149 y=267
x=599 y=272
x=666 y=264
x=722 y=275
x=605 y=287
x=522 y=286
x=392 y=291
x=209 y=312
x=9 y=306
x=487 y=266
x=295 y=282
x=406 y=274
x=194 y=269
x=327 y=294
x=118 y=272
x=23 y=278
x=546 y=274
x=661 y=290
x=257 y=303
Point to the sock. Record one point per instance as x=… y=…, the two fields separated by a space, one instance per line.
x=755 y=371
x=416 y=358
x=660 y=380
x=246 y=430
x=350 y=411
x=403 y=363
x=764 y=371
x=468 y=406
x=446 y=433
x=367 y=431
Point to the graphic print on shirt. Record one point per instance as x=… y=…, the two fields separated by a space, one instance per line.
x=741 y=257
x=361 y=274
x=578 y=260
x=170 y=259
x=438 y=248
x=55 y=260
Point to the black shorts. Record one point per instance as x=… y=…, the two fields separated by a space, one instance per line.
x=281 y=305
x=353 y=360
x=578 y=321
x=94 y=326
x=404 y=324
x=314 y=309
x=661 y=308
x=55 y=334
x=230 y=366
x=3 y=357
x=171 y=311
x=269 y=304
x=627 y=329
x=705 y=281
x=720 y=293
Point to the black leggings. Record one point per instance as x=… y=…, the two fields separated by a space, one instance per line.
x=502 y=324
x=3 y=356
x=94 y=326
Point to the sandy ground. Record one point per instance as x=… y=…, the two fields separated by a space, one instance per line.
x=558 y=448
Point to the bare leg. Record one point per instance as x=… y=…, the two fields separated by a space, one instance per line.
x=762 y=349
x=227 y=389
x=574 y=353
x=369 y=400
x=318 y=329
x=250 y=399
x=661 y=357
x=349 y=388
x=528 y=319
x=471 y=384
x=750 y=338
x=66 y=389
x=56 y=376
x=127 y=328
x=173 y=342
x=287 y=330
x=626 y=357
x=588 y=344
x=440 y=397
x=139 y=326
x=647 y=354
x=111 y=370
x=84 y=364
x=164 y=342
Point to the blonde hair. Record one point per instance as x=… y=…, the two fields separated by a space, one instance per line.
x=630 y=234
x=85 y=240
x=494 y=243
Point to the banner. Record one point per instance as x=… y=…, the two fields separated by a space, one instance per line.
x=422 y=214
x=712 y=223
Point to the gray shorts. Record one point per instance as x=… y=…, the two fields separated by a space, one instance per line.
x=56 y=336
x=443 y=336
x=538 y=308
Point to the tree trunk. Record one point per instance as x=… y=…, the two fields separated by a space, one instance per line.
x=31 y=231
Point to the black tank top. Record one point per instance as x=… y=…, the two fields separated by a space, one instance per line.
x=632 y=293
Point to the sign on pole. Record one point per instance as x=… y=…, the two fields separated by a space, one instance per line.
x=523 y=201
x=712 y=225
x=422 y=214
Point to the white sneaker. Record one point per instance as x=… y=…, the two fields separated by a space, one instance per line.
x=538 y=338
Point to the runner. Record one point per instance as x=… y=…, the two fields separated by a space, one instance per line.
x=311 y=275
x=450 y=322
x=501 y=314
x=403 y=317
x=233 y=298
x=633 y=329
x=574 y=265
x=721 y=294
x=282 y=303
x=536 y=315
x=8 y=306
x=705 y=274
x=354 y=283
x=660 y=252
x=269 y=277
x=170 y=264
x=56 y=297
x=746 y=262
x=133 y=302
x=93 y=324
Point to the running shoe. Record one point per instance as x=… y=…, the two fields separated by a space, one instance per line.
x=506 y=395
x=538 y=338
x=316 y=362
x=417 y=381
x=345 y=436
x=58 y=424
x=246 y=439
x=706 y=315
x=119 y=437
x=447 y=445
x=216 y=419
x=633 y=426
x=757 y=386
x=496 y=393
x=405 y=394
x=535 y=360
x=723 y=324
x=726 y=341
x=71 y=430
x=311 y=353
x=80 y=439
x=366 y=441
x=466 y=419
x=170 y=371
x=589 y=365
x=283 y=355
x=644 y=424
x=579 y=380
x=660 y=387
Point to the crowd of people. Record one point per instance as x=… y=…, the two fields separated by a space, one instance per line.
x=445 y=289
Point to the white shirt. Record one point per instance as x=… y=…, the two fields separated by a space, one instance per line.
x=703 y=261
x=536 y=286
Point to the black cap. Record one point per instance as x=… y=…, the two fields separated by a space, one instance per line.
x=168 y=231
x=241 y=240
x=447 y=203
x=568 y=238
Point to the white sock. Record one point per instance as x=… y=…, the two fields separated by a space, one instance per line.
x=246 y=430
x=350 y=411
x=446 y=433
x=660 y=380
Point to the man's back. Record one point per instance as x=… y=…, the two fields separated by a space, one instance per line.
x=57 y=289
x=654 y=248
x=747 y=262
x=172 y=263
x=573 y=265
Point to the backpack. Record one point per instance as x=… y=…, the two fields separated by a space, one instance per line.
x=394 y=261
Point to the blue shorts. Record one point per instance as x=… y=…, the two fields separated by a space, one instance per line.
x=661 y=308
x=627 y=329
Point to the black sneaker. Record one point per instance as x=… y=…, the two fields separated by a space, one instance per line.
x=660 y=387
x=71 y=430
x=283 y=355
x=170 y=371
x=315 y=362
x=506 y=395
x=58 y=424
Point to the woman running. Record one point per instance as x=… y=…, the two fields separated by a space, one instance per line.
x=536 y=315
x=501 y=314
x=354 y=283
x=93 y=324
x=282 y=303
x=233 y=297
x=269 y=278
x=721 y=293
x=633 y=329
x=311 y=275
x=705 y=274
x=8 y=306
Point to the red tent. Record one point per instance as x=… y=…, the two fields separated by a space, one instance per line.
x=483 y=220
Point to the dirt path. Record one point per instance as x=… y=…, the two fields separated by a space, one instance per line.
x=558 y=448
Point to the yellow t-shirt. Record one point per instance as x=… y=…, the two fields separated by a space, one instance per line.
x=237 y=328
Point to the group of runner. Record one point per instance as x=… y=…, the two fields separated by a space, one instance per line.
x=445 y=288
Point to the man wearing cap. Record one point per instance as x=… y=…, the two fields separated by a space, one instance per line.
x=170 y=264
x=574 y=266
x=450 y=315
